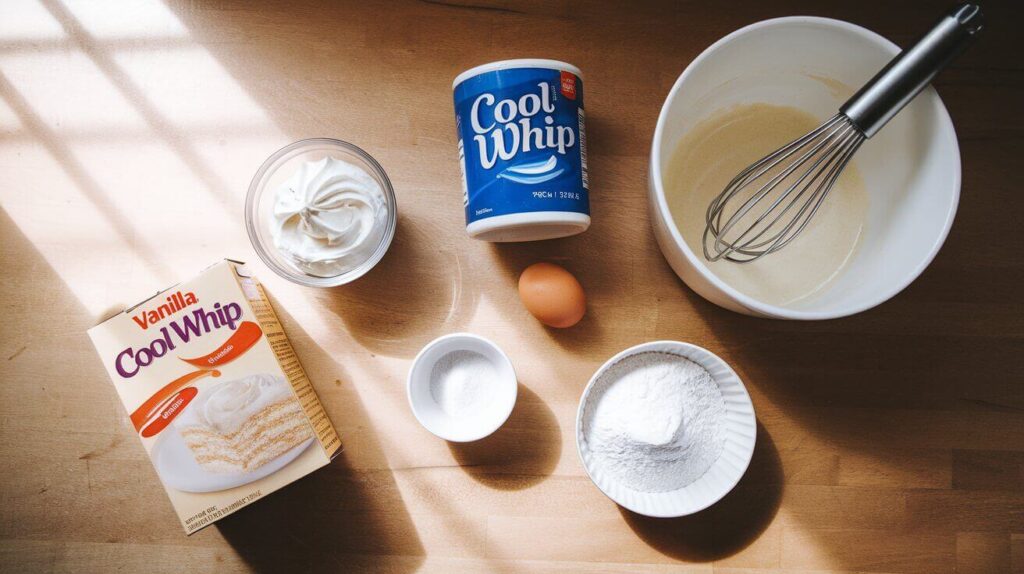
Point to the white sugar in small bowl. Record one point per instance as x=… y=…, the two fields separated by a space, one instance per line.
x=499 y=391
x=740 y=430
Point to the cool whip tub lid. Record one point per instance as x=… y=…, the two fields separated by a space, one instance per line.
x=215 y=393
x=518 y=63
x=522 y=150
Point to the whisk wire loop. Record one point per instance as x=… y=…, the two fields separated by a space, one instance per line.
x=826 y=151
x=769 y=215
x=769 y=186
x=844 y=157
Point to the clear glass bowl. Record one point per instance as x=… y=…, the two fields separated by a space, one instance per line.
x=259 y=206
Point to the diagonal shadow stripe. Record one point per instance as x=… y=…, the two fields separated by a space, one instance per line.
x=162 y=127
x=77 y=172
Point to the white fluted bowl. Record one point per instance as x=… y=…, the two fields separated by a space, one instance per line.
x=740 y=434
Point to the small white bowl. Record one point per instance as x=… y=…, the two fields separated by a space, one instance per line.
x=473 y=426
x=740 y=435
x=911 y=168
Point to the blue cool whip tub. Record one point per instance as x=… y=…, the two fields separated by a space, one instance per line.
x=523 y=150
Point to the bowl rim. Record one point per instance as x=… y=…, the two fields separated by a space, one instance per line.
x=486 y=431
x=658 y=346
x=944 y=126
x=273 y=163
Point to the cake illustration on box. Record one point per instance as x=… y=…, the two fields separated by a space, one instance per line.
x=240 y=425
x=216 y=393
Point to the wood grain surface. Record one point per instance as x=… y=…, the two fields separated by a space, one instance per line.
x=889 y=442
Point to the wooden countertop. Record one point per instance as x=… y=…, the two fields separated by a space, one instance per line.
x=892 y=441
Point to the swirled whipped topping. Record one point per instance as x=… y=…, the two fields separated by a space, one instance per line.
x=329 y=217
x=225 y=406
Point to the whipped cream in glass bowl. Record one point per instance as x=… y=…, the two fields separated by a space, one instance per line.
x=321 y=212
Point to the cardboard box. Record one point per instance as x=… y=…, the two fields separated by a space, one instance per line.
x=216 y=393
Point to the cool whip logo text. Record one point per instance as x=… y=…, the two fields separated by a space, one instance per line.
x=505 y=128
x=130 y=361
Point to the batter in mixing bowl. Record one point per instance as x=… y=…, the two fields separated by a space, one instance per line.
x=719 y=147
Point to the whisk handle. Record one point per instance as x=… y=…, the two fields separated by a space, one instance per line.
x=913 y=69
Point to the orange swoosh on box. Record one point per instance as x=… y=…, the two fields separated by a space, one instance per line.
x=146 y=411
x=238 y=343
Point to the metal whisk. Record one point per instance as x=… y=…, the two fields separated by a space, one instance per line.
x=767 y=205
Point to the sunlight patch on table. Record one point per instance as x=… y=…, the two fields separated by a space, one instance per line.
x=191 y=89
x=9 y=122
x=70 y=231
x=27 y=20
x=69 y=92
x=135 y=19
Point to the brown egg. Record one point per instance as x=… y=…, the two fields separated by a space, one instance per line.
x=552 y=295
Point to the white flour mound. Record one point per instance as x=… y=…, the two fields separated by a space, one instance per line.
x=655 y=421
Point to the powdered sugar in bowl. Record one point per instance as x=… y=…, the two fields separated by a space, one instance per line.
x=665 y=429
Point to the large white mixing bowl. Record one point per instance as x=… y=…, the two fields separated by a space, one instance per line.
x=911 y=169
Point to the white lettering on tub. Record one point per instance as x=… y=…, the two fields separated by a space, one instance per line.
x=507 y=135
